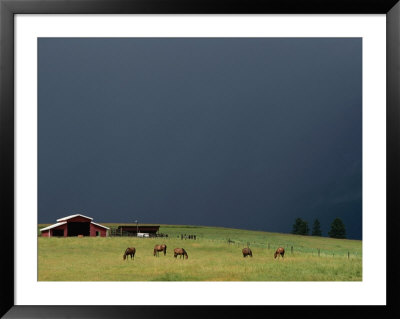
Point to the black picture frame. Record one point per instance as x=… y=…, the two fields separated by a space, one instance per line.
x=8 y=8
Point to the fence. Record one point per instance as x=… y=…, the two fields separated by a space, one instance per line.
x=290 y=248
x=114 y=232
x=184 y=236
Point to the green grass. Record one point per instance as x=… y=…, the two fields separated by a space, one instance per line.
x=211 y=258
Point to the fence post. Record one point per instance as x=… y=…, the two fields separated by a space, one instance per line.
x=291 y=249
x=348 y=255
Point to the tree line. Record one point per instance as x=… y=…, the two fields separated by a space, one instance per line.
x=338 y=230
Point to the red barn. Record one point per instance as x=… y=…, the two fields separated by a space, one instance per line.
x=75 y=225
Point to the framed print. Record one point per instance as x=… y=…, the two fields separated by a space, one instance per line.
x=168 y=157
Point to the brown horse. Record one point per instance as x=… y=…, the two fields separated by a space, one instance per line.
x=158 y=248
x=181 y=252
x=247 y=252
x=130 y=251
x=279 y=252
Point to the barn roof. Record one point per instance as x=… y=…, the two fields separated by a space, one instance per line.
x=53 y=226
x=73 y=216
x=100 y=225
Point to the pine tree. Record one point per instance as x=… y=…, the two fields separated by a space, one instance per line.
x=297 y=226
x=305 y=230
x=337 y=229
x=316 y=228
x=300 y=227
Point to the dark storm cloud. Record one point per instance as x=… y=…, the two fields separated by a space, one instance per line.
x=245 y=133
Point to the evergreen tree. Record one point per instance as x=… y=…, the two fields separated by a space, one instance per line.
x=316 y=228
x=306 y=230
x=337 y=229
x=296 y=226
x=300 y=227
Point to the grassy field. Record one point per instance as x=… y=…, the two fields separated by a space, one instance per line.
x=211 y=258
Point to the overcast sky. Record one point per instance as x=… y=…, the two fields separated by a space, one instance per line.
x=237 y=132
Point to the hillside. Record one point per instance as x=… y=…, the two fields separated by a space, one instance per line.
x=211 y=257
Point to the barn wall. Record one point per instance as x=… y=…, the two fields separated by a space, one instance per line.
x=94 y=228
x=65 y=229
x=78 y=219
x=49 y=233
x=45 y=233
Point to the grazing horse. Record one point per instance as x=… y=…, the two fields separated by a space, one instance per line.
x=181 y=252
x=247 y=252
x=130 y=251
x=279 y=252
x=158 y=248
